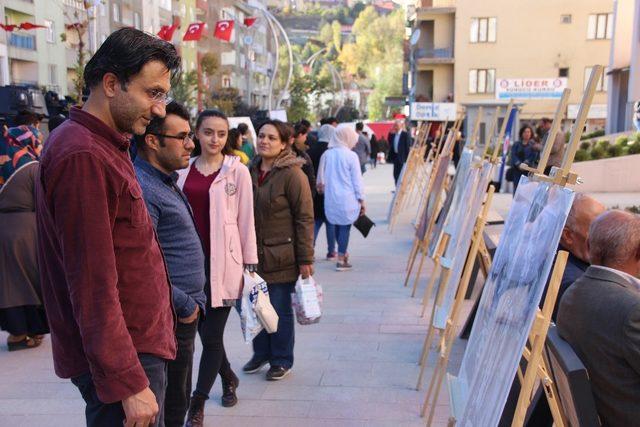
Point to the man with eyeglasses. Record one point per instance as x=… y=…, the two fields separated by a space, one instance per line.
x=105 y=285
x=165 y=148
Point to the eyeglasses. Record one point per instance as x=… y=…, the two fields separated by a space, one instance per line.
x=185 y=139
x=158 y=96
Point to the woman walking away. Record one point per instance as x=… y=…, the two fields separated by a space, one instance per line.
x=340 y=179
x=218 y=188
x=523 y=153
x=235 y=141
x=21 y=310
x=284 y=229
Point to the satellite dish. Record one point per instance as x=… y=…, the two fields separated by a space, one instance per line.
x=415 y=37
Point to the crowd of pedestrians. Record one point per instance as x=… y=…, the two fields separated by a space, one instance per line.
x=134 y=230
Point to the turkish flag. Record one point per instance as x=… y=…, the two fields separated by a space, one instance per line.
x=166 y=32
x=223 y=30
x=30 y=26
x=8 y=28
x=194 y=32
x=249 y=21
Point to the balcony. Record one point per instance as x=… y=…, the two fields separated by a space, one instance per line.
x=434 y=56
x=424 y=13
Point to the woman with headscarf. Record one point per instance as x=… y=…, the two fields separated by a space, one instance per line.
x=315 y=152
x=21 y=310
x=340 y=180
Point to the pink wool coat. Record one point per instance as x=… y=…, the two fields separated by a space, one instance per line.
x=232 y=230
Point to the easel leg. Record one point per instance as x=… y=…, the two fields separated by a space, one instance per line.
x=412 y=255
x=434 y=386
x=429 y=288
x=426 y=347
x=412 y=262
x=418 y=273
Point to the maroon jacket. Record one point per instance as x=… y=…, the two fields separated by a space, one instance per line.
x=104 y=281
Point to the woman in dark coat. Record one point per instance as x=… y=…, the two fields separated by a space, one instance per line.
x=284 y=230
x=523 y=152
x=21 y=310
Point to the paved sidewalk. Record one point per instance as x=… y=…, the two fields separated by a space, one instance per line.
x=357 y=367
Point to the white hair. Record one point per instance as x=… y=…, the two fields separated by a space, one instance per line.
x=614 y=238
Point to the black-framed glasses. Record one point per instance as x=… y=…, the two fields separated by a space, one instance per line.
x=185 y=139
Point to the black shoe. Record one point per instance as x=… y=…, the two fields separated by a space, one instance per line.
x=277 y=373
x=195 y=416
x=253 y=365
x=229 y=386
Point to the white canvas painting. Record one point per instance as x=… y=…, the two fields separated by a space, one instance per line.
x=518 y=275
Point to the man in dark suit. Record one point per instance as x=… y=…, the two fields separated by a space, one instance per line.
x=399 y=143
x=599 y=316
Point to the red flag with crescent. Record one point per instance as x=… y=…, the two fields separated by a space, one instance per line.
x=8 y=27
x=249 y=21
x=194 y=31
x=166 y=32
x=30 y=26
x=223 y=30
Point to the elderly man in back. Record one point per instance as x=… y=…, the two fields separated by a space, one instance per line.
x=599 y=316
x=583 y=212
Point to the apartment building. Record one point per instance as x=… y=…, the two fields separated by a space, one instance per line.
x=35 y=57
x=482 y=53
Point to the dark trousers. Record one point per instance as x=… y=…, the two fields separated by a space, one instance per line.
x=341 y=235
x=101 y=414
x=179 y=376
x=277 y=348
x=397 y=168
x=214 y=357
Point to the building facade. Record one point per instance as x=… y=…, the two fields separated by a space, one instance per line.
x=482 y=53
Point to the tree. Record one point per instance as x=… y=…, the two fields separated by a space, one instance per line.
x=388 y=83
x=336 y=29
x=209 y=64
x=185 y=89
x=304 y=88
x=226 y=100
x=348 y=112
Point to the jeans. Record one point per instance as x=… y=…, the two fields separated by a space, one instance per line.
x=179 y=376
x=331 y=234
x=277 y=348
x=101 y=414
x=214 y=357
x=342 y=236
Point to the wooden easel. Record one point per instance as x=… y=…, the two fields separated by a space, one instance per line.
x=423 y=244
x=425 y=184
x=411 y=168
x=493 y=158
x=537 y=367
x=447 y=336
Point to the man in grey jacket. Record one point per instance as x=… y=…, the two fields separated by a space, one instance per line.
x=363 y=147
x=599 y=316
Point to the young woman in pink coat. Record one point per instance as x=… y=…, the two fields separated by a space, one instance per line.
x=218 y=187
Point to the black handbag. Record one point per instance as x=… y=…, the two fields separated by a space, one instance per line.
x=364 y=224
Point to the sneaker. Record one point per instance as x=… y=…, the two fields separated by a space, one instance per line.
x=343 y=264
x=332 y=256
x=229 y=386
x=277 y=373
x=253 y=365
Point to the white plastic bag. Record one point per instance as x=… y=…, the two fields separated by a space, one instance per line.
x=249 y=322
x=307 y=300
x=258 y=300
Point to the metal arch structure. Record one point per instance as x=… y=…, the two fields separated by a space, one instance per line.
x=276 y=27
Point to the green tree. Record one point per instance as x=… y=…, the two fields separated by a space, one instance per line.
x=304 y=89
x=336 y=29
x=185 y=89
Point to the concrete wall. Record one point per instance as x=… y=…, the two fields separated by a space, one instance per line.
x=616 y=175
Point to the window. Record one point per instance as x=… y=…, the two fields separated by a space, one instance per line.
x=136 y=20
x=563 y=72
x=53 y=74
x=483 y=30
x=115 y=11
x=602 y=85
x=600 y=26
x=226 y=81
x=482 y=80
x=565 y=19
x=50 y=31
